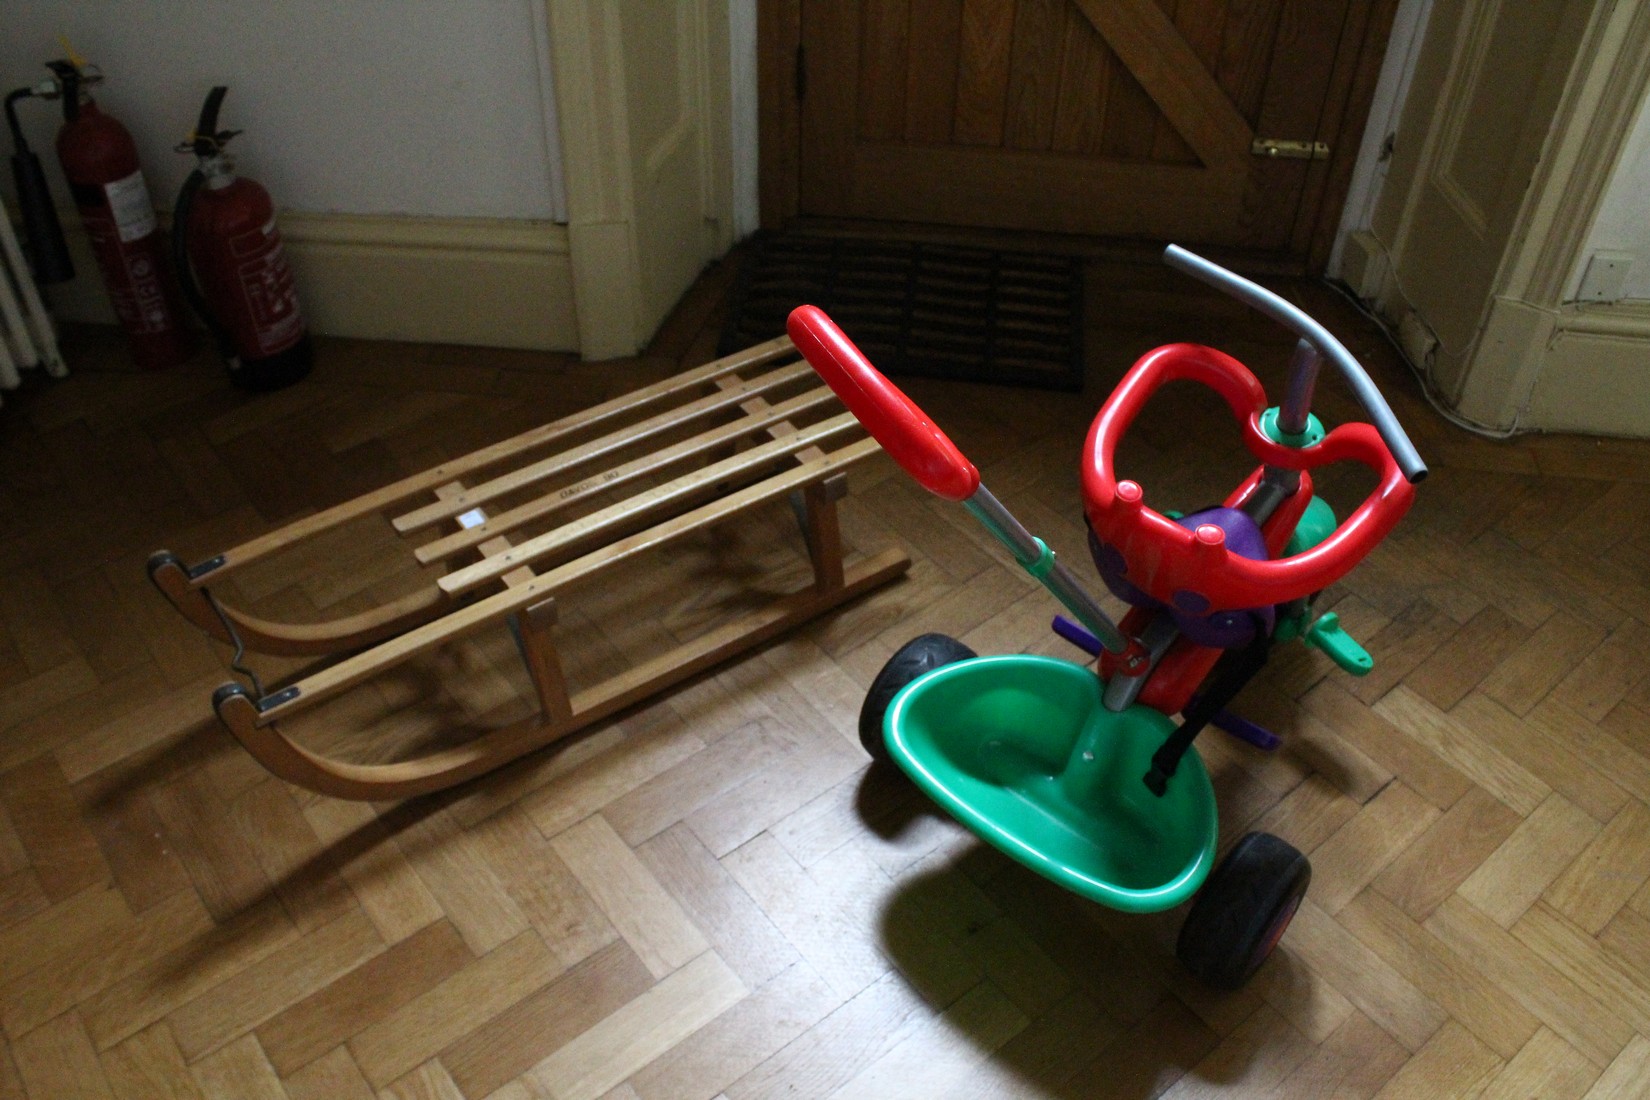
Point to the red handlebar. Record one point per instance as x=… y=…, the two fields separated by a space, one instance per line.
x=1191 y=569
x=902 y=428
x=1200 y=574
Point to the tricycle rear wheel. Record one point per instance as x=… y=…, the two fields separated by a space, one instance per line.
x=918 y=656
x=1243 y=910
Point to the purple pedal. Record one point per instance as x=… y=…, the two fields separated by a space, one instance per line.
x=1245 y=730
x=1077 y=635
x=1239 y=727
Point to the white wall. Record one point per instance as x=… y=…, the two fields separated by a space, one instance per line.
x=423 y=107
x=1623 y=223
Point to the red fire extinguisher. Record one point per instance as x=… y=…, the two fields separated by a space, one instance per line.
x=100 y=161
x=232 y=267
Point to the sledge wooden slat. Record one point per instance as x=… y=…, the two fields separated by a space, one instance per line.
x=467 y=619
x=819 y=523
x=617 y=477
x=378 y=500
x=756 y=405
x=647 y=503
x=628 y=436
x=728 y=441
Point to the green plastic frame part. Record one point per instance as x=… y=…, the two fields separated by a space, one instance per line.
x=1021 y=750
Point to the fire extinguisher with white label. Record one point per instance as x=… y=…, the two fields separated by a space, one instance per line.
x=100 y=162
x=231 y=265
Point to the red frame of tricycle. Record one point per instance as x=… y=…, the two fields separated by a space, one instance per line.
x=1170 y=562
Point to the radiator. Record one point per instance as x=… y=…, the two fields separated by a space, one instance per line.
x=27 y=338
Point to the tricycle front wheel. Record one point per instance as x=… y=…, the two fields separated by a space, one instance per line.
x=1242 y=911
x=918 y=656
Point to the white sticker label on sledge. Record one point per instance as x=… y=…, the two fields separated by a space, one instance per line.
x=129 y=202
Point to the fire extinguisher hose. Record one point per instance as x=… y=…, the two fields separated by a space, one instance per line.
x=42 y=232
x=203 y=143
x=186 y=274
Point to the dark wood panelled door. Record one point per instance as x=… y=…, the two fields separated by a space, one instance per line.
x=1118 y=118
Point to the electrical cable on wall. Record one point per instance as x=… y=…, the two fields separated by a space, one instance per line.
x=1482 y=430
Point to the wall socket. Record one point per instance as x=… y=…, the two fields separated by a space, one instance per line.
x=1605 y=279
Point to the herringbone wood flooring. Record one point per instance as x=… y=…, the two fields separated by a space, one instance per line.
x=713 y=895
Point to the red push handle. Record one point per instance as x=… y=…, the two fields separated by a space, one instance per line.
x=902 y=428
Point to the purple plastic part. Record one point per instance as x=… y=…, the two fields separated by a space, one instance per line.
x=1245 y=730
x=1078 y=636
x=1243 y=535
x=1188 y=602
x=1220 y=630
x=1109 y=561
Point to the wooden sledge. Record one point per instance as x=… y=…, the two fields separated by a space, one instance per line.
x=673 y=458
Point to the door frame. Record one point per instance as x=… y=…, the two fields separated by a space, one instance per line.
x=1352 y=91
x=646 y=148
x=1537 y=359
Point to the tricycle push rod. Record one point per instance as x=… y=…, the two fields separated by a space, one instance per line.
x=1297 y=397
x=929 y=456
x=1294 y=417
x=1037 y=559
x=1292 y=317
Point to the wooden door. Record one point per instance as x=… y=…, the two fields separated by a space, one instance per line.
x=1117 y=118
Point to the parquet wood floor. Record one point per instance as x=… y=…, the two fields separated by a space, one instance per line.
x=712 y=896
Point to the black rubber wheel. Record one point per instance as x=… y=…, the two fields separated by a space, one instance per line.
x=911 y=660
x=1243 y=910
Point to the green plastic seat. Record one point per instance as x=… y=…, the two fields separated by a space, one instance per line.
x=1021 y=750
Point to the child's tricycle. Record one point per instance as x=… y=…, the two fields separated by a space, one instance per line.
x=1086 y=779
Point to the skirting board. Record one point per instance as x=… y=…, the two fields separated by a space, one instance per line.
x=1578 y=368
x=494 y=283
x=1595 y=373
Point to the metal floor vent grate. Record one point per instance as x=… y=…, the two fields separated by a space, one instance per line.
x=916 y=308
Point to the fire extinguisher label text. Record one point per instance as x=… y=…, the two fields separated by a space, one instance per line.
x=132 y=277
x=266 y=288
x=129 y=202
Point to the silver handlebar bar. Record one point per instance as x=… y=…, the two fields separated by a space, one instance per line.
x=1294 y=318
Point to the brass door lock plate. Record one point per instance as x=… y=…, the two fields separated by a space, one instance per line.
x=1294 y=150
